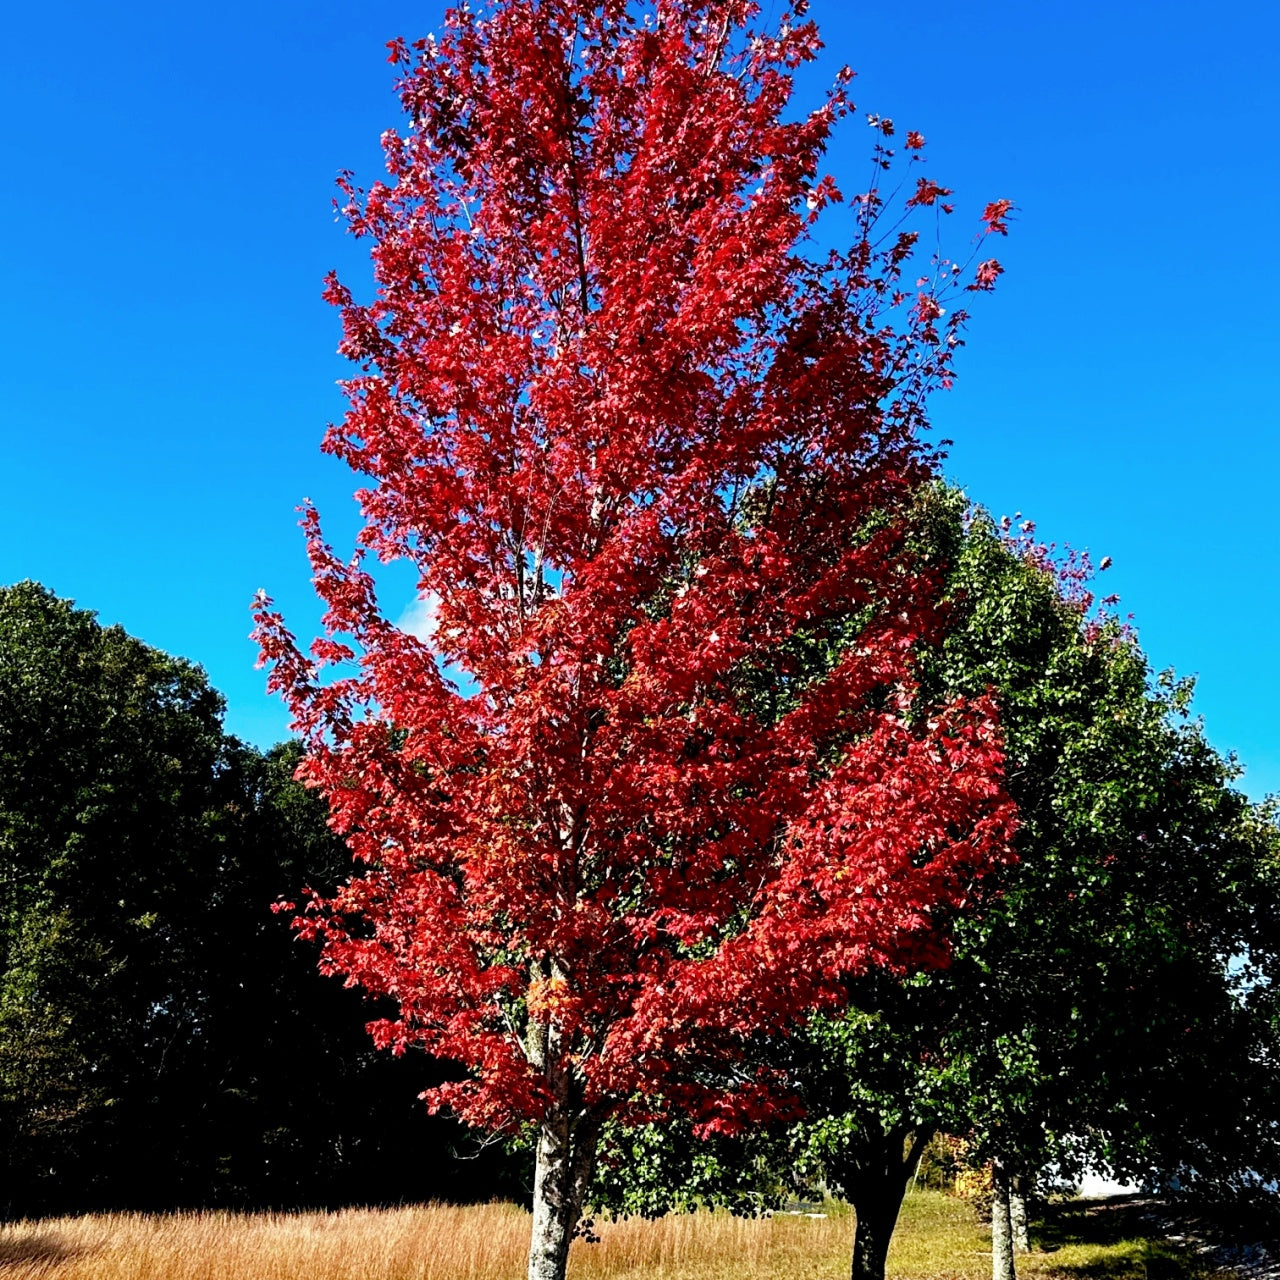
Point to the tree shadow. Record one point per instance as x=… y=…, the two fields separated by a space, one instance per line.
x=36 y=1247
x=1115 y=1239
x=1092 y=1222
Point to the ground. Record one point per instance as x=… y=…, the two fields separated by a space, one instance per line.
x=940 y=1239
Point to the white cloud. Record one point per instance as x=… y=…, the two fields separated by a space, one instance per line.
x=419 y=619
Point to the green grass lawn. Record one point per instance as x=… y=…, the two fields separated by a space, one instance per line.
x=940 y=1238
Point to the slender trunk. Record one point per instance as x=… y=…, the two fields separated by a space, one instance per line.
x=875 y=1179
x=566 y=1158
x=1018 y=1213
x=1001 y=1227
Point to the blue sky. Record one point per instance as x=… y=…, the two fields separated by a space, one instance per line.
x=167 y=362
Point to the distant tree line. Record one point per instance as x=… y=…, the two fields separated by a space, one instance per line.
x=164 y=1039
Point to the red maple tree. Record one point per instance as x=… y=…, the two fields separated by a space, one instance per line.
x=648 y=787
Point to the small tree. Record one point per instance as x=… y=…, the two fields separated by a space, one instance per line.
x=621 y=811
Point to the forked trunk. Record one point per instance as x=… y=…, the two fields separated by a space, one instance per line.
x=875 y=1182
x=565 y=1161
x=1002 y=1267
x=877 y=1215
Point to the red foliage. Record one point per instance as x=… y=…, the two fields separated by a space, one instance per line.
x=996 y=215
x=645 y=449
x=985 y=275
x=1072 y=572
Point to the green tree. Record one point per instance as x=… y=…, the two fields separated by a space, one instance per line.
x=107 y=756
x=295 y=1104
x=164 y=1040
x=1095 y=995
x=1090 y=988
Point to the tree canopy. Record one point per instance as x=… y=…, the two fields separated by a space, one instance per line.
x=646 y=449
x=1124 y=963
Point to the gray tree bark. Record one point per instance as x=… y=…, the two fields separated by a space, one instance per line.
x=568 y=1140
x=566 y=1157
x=1018 y=1213
x=1002 y=1267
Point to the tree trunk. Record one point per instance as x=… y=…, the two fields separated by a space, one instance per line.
x=875 y=1181
x=1018 y=1213
x=1001 y=1226
x=566 y=1158
x=877 y=1215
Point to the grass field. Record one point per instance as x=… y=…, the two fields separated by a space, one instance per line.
x=939 y=1239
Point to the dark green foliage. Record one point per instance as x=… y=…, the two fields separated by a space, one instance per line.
x=1092 y=998
x=1109 y=997
x=108 y=757
x=164 y=1040
x=652 y=1170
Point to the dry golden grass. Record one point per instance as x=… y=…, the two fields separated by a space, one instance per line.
x=938 y=1240
x=486 y=1242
